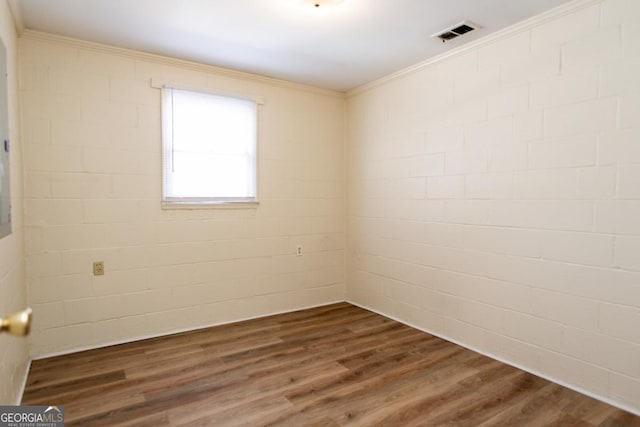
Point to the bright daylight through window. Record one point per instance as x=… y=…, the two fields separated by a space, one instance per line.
x=209 y=148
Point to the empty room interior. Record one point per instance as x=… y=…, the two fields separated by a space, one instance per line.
x=331 y=212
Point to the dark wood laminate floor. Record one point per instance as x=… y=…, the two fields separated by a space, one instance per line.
x=328 y=366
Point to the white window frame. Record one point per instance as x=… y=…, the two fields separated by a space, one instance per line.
x=172 y=202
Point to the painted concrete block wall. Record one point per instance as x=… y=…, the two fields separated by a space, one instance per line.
x=14 y=358
x=92 y=136
x=494 y=198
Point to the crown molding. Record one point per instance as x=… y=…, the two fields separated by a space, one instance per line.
x=17 y=16
x=28 y=34
x=226 y=72
x=525 y=25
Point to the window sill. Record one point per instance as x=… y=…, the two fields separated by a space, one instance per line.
x=209 y=205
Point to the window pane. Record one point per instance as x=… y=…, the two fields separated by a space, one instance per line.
x=210 y=145
x=198 y=175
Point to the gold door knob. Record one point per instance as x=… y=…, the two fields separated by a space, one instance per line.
x=18 y=323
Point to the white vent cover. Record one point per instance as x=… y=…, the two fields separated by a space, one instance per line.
x=455 y=31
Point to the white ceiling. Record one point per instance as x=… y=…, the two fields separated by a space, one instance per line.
x=342 y=48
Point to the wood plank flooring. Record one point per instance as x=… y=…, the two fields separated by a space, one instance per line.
x=328 y=366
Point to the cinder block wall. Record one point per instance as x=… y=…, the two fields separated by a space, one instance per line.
x=494 y=197
x=92 y=141
x=14 y=358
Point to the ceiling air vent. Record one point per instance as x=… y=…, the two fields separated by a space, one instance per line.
x=455 y=31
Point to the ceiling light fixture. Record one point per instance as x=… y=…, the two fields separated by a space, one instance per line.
x=321 y=4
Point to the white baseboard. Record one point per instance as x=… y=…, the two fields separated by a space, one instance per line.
x=23 y=386
x=510 y=363
x=175 y=331
x=483 y=352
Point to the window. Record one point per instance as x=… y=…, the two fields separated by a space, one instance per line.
x=209 y=148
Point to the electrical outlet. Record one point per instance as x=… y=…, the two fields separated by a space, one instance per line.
x=299 y=250
x=98 y=268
